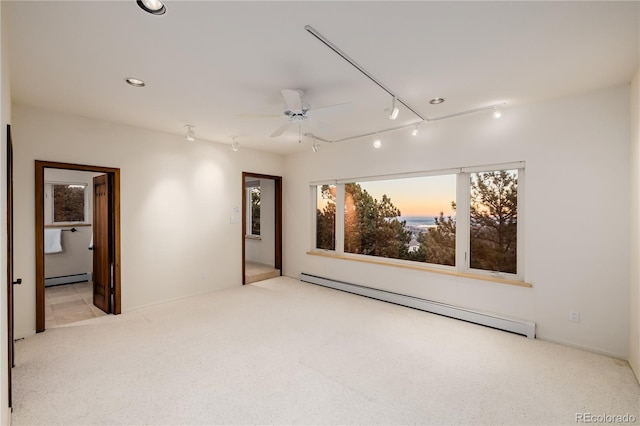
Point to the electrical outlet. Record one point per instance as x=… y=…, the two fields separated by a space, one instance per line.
x=574 y=316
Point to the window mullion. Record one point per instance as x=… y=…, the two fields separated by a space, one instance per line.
x=462 y=222
x=313 y=230
x=340 y=194
x=520 y=225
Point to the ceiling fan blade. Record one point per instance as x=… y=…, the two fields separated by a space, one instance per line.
x=318 y=125
x=292 y=99
x=280 y=130
x=331 y=109
x=260 y=115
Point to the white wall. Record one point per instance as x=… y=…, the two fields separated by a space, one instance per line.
x=177 y=199
x=5 y=115
x=634 y=329
x=76 y=258
x=263 y=250
x=576 y=212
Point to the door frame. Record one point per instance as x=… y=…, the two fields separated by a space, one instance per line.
x=114 y=176
x=10 y=272
x=278 y=218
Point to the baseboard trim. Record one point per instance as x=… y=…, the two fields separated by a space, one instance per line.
x=517 y=326
x=67 y=279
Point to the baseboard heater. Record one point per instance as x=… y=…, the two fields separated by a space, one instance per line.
x=525 y=328
x=67 y=279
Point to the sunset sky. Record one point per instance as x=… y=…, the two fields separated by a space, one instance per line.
x=422 y=196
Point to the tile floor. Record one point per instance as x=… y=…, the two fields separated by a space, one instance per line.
x=69 y=303
x=254 y=272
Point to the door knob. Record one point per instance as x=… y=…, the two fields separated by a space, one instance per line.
x=18 y=281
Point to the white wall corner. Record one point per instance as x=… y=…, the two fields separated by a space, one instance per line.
x=634 y=296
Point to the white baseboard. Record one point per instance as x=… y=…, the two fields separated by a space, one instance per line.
x=513 y=325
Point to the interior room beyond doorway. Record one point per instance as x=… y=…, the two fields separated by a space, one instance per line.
x=262 y=234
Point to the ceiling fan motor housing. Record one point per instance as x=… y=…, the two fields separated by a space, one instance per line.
x=298 y=116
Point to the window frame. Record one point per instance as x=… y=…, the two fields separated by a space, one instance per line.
x=463 y=219
x=86 y=211
x=248 y=230
x=463 y=202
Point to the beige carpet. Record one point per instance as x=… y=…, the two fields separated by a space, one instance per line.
x=286 y=352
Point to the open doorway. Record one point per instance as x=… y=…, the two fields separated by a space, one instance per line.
x=77 y=242
x=262 y=227
x=68 y=245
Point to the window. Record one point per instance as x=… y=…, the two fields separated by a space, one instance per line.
x=253 y=209
x=464 y=220
x=406 y=218
x=493 y=221
x=326 y=217
x=69 y=202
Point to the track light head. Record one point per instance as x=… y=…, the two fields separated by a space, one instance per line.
x=235 y=145
x=414 y=132
x=190 y=134
x=315 y=146
x=496 y=113
x=394 y=111
x=377 y=142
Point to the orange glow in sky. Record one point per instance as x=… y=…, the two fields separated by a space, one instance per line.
x=421 y=196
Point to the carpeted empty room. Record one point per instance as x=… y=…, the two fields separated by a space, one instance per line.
x=285 y=352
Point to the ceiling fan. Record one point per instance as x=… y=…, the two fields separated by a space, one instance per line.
x=298 y=111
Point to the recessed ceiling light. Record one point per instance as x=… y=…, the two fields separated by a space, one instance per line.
x=135 y=82
x=436 y=101
x=155 y=7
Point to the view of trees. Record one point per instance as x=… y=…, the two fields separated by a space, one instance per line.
x=68 y=203
x=326 y=219
x=494 y=220
x=438 y=244
x=255 y=210
x=373 y=227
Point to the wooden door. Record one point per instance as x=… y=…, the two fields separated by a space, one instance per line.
x=102 y=258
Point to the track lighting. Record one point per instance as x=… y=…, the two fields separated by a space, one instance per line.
x=235 y=145
x=190 y=135
x=393 y=112
x=315 y=146
x=496 y=113
x=414 y=132
x=377 y=142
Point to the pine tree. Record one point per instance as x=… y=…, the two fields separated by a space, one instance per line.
x=494 y=220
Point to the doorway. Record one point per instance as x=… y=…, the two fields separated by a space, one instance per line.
x=68 y=244
x=261 y=227
x=71 y=228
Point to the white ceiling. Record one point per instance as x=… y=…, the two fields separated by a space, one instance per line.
x=208 y=62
